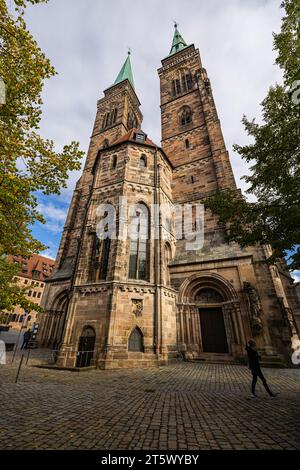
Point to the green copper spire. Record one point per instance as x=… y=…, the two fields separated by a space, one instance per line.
x=178 y=42
x=125 y=72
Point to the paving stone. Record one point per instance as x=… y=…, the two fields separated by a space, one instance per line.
x=194 y=406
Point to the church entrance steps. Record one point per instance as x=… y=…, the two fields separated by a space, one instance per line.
x=214 y=358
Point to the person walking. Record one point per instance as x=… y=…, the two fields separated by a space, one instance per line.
x=254 y=366
x=26 y=338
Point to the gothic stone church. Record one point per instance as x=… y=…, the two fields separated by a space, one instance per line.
x=116 y=303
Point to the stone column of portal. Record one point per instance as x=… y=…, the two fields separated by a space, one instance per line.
x=233 y=314
x=67 y=352
x=187 y=325
x=42 y=329
x=195 y=330
x=182 y=329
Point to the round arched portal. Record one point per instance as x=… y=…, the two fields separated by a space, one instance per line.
x=53 y=321
x=206 y=304
x=86 y=345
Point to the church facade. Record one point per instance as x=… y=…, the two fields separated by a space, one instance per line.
x=117 y=301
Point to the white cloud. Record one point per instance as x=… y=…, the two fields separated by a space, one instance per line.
x=296 y=275
x=53 y=213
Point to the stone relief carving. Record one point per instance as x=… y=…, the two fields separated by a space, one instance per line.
x=137 y=307
x=254 y=307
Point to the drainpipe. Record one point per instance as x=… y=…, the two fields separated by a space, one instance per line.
x=156 y=267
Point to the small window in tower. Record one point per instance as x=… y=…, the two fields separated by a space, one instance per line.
x=106 y=120
x=173 y=89
x=115 y=115
x=192 y=179
x=143 y=161
x=178 y=87
x=105 y=143
x=187 y=143
x=183 y=81
x=185 y=116
x=140 y=137
x=189 y=82
x=114 y=161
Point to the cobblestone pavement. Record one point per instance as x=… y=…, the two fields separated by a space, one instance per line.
x=183 y=406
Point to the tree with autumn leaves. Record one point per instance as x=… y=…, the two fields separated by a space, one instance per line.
x=29 y=163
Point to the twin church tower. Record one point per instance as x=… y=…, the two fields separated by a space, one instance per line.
x=121 y=302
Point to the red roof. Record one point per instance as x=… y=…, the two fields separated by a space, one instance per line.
x=36 y=267
x=129 y=137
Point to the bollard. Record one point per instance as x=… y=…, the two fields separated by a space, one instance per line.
x=19 y=368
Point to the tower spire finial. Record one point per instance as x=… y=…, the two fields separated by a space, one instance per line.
x=178 y=42
x=126 y=71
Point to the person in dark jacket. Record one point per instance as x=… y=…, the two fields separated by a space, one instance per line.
x=254 y=366
x=26 y=338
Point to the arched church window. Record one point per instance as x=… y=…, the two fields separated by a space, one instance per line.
x=139 y=244
x=114 y=161
x=185 y=116
x=143 y=161
x=135 y=341
x=167 y=259
x=182 y=84
x=100 y=258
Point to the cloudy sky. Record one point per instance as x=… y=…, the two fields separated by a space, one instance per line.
x=87 y=42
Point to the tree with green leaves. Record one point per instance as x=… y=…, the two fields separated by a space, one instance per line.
x=274 y=156
x=28 y=163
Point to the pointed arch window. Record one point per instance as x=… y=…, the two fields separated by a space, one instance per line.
x=105 y=144
x=139 y=258
x=114 y=161
x=182 y=84
x=100 y=258
x=185 y=116
x=143 y=161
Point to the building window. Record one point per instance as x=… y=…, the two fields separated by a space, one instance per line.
x=34 y=294
x=114 y=161
x=100 y=258
x=187 y=143
x=39 y=295
x=182 y=84
x=140 y=137
x=29 y=293
x=139 y=245
x=131 y=120
x=192 y=179
x=143 y=161
x=105 y=144
x=185 y=116
x=26 y=281
x=135 y=341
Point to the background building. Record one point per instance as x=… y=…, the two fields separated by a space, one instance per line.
x=32 y=274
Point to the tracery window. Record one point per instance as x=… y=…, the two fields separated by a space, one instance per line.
x=139 y=245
